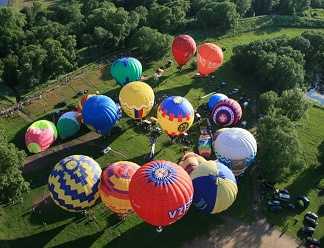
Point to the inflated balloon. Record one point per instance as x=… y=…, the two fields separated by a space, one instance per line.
x=74 y=183
x=68 y=125
x=160 y=192
x=190 y=161
x=216 y=135
x=214 y=99
x=183 y=49
x=209 y=58
x=80 y=105
x=136 y=99
x=236 y=148
x=226 y=112
x=40 y=135
x=126 y=70
x=175 y=115
x=215 y=187
x=119 y=111
x=114 y=186
x=100 y=114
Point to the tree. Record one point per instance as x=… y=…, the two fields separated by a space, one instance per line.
x=265 y=7
x=294 y=104
x=293 y=7
x=279 y=152
x=268 y=102
x=10 y=73
x=12 y=183
x=242 y=6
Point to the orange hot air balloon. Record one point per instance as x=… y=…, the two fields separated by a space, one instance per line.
x=209 y=58
x=183 y=49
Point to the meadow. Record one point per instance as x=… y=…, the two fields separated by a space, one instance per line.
x=22 y=227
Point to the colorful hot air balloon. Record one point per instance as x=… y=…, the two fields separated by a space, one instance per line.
x=204 y=143
x=226 y=112
x=236 y=148
x=68 y=124
x=216 y=135
x=40 y=135
x=80 y=105
x=119 y=111
x=74 y=183
x=100 y=114
x=214 y=186
x=190 y=161
x=175 y=115
x=214 y=99
x=183 y=49
x=136 y=99
x=209 y=58
x=114 y=186
x=160 y=192
x=126 y=70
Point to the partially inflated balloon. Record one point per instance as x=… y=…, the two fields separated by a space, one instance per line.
x=227 y=112
x=190 y=161
x=183 y=49
x=126 y=70
x=209 y=58
x=68 y=124
x=80 y=105
x=214 y=99
x=40 y=135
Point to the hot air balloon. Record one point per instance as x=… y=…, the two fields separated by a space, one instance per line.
x=68 y=124
x=214 y=186
x=175 y=115
x=136 y=99
x=183 y=49
x=74 y=183
x=100 y=114
x=209 y=58
x=40 y=135
x=160 y=192
x=236 y=148
x=216 y=135
x=190 y=161
x=119 y=111
x=80 y=105
x=226 y=112
x=114 y=186
x=126 y=70
x=214 y=99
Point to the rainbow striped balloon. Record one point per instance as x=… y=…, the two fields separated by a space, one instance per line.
x=74 y=183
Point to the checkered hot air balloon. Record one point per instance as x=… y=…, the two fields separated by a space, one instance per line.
x=215 y=187
x=114 y=186
x=74 y=183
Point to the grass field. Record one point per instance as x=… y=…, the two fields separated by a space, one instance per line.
x=21 y=227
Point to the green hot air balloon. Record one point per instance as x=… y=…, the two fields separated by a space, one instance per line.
x=68 y=124
x=126 y=70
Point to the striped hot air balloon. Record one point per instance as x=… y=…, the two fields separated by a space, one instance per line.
x=227 y=112
x=214 y=186
x=80 y=105
x=74 y=183
x=190 y=161
x=214 y=99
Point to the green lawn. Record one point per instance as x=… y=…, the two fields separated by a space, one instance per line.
x=20 y=227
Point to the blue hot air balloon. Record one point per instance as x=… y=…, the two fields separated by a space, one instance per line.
x=214 y=99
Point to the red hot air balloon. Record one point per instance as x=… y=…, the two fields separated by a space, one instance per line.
x=183 y=49
x=80 y=105
x=209 y=58
x=160 y=192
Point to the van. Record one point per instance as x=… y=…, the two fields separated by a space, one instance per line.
x=282 y=197
x=243 y=124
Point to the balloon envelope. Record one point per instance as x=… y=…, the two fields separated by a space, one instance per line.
x=190 y=161
x=100 y=114
x=215 y=187
x=175 y=115
x=114 y=186
x=40 y=135
x=136 y=99
x=74 y=183
x=80 y=105
x=214 y=99
x=126 y=70
x=236 y=148
x=160 y=192
x=209 y=58
x=183 y=49
x=226 y=112
x=68 y=124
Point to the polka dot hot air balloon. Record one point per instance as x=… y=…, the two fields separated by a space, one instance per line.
x=136 y=99
x=126 y=70
x=190 y=161
x=214 y=186
x=80 y=105
x=40 y=135
x=114 y=186
x=214 y=99
x=74 y=183
x=100 y=114
x=236 y=148
x=68 y=124
x=183 y=49
x=226 y=112
x=175 y=115
x=160 y=192
x=209 y=58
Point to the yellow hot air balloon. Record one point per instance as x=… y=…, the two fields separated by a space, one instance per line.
x=136 y=99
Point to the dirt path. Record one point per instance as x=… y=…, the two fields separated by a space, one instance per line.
x=24 y=116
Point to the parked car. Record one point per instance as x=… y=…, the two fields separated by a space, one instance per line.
x=222 y=84
x=311 y=215
x=170 y=62
x=60 y=104
x=77 y=95
x=284 y=191
x=289 y=206
x=72 y=107
x=313 y=222
x=282 y=197
x=276 y=208
x=307 y=229
x=235 y=90
x=273 y=203
x=313 y=241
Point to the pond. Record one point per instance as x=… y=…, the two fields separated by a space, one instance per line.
x=315 y=95
x=4 y=3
